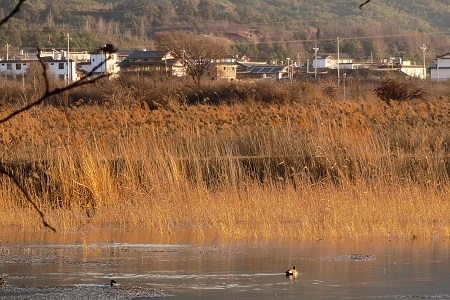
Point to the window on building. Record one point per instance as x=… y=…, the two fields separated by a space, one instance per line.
x=18 y=67
x=9 y=66
x=61 y=66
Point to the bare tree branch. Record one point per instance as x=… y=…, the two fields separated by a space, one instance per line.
x=12 y=13
x=22 y=189
x=362 y=4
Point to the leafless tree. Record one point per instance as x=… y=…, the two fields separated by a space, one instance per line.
x=86 y=79
x=198 y=53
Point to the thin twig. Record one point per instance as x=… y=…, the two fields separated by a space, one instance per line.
x=12 y=13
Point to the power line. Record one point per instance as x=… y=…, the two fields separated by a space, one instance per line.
x=347 y=38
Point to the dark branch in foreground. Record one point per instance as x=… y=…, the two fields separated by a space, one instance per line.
x=87 y=79
x=17 y=183
x=12 y=13
x=362 y=4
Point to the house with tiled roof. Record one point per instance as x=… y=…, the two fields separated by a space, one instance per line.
x=143 y=62
x=260 y=70
x=441 y=70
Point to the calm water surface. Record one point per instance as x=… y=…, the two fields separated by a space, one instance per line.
x=189 y=268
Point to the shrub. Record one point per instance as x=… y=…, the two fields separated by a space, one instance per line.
x=398 y=90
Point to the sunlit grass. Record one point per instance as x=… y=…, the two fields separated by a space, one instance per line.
x=308 y=169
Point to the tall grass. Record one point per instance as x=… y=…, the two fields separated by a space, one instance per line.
x=297 y=164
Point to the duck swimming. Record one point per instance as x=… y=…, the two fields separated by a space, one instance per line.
x=292 y=273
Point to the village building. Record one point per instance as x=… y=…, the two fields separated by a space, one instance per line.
x=101 y=63
x=62 y=69
x=62 y=54
x=412 y=70
x=260 y=70
x=143 y=62
x=441 y=70
x=330 y=61
x=224 y=69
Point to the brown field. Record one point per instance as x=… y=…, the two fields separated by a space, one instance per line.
x=244 y=160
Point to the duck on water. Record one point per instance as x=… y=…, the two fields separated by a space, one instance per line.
x=292 y=273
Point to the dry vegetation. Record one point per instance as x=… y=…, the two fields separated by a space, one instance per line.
x=245 y=160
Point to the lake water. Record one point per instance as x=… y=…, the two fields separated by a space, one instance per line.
x=186 y=267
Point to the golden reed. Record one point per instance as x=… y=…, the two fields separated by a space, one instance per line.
x=310 y=168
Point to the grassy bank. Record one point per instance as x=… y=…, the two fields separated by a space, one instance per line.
x=263 y=160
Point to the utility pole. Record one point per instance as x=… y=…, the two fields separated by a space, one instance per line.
x=345 y=76
x=7 y=51
x=338 y=59
x=437 y=67
x=289 y=72
x=423 y=48
x=315 y=61
x=68 y=61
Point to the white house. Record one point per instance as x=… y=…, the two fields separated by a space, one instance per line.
x=18 y=68
x=441 y=71
x=100 y=64
x=412 y=70
x=14 y=68
x=61 y=69
x=330 y=61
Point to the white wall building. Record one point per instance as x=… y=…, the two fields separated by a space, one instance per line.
x=17 y=68
x=441 y=71
x=330 y=61
x=62 y=70
x=14 y=68
x=100 y=59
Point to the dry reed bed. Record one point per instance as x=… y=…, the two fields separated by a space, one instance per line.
x=305 y=169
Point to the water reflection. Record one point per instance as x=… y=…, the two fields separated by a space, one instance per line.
x=190 y=268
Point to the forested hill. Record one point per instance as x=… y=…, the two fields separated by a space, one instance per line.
x=410 y=14
x=255 y=27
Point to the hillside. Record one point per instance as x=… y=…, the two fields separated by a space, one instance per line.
x=260 y=29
